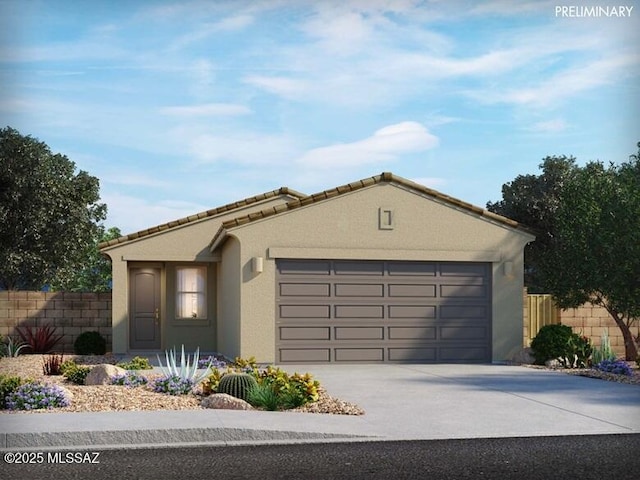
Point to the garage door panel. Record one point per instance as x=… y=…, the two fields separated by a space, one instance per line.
x=412 y=311
x=359 y=268
x=412 y=333
x=301 y=355
x=383 y=311
x=305 y=289
x=412 y=268
x=420 y=290
x=306 y=267
x=424 y=354
x=359 y=311
x=359 y=354
x=463 y=333
x=305 y=311
x=359 y=333
x=305 y=333
x=463 y=291
x=359 y=290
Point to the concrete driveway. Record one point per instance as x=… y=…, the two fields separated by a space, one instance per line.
x=402 y=402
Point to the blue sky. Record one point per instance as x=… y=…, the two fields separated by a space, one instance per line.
x=181 y=106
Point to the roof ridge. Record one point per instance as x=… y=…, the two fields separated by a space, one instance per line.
x=200 y=215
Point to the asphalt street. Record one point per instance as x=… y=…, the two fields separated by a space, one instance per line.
x=539 y=458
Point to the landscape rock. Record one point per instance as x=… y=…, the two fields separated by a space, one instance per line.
x=225 y=402
x=101 y=374
x=555 y=363
x=523 y=356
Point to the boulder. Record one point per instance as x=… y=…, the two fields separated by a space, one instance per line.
x=522 y=356
x=101 y=374
x=224 y=402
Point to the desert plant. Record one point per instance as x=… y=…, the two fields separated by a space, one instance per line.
x=265 y=397
x=173 y=385
x=187 y=369
x=90 y=343
x=297 y=384
x=39 y=339
x=34 y=396
x=67 y=365
x=11 y=348
x=212 y=361
x=8 y=385
x=75 y=373
x=618 y=367
x=136 y=363
x=130 y=379
x=237 y=384
x=604 y=351
x=51 y=365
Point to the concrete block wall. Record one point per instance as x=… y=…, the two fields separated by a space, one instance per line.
x=590 y=321
x=71 y=313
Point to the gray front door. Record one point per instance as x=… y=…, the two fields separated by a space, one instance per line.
x=144 y=318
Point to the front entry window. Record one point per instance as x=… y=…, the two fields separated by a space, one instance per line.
x=191 y=300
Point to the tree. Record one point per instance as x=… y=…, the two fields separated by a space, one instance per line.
x=533 y=200
x=93 y=273
x=48 y=212
x=590 y=249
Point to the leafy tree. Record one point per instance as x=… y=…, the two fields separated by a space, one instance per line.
x=93 y=273
x=533 y=200
x=48 y=212
x=590 y=248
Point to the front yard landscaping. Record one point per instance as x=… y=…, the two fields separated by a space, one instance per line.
x=140 y=389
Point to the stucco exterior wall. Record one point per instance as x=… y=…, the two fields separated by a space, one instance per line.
x=178 y=245
x=347 y=226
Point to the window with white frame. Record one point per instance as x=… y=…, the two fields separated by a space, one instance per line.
x=191 y=292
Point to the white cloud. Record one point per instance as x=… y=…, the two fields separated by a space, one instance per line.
x=282 y=86
x=206 y=30
x=206 y=110
x=565 y=84
x=386 y=144
x=550 y=126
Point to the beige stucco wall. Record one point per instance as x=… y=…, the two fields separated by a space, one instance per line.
x=347 y=226
x=176 y=246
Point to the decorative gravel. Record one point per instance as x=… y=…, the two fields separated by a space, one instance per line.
x=592 y=373
x=106 y=398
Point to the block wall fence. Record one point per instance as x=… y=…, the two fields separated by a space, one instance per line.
x=72 y=314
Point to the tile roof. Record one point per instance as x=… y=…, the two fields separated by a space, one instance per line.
x=199 y=216
x=387 y=177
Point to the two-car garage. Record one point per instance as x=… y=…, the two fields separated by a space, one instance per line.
x=382 y=311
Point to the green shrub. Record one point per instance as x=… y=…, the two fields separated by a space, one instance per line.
x=237 y=384
x=297 y=384
x=76 y=373
x=8 y=385
x=67 y=365
x=90 y=343
x=552 y=342
x=136 y=363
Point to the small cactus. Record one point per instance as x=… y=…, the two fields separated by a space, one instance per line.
x=237 y=385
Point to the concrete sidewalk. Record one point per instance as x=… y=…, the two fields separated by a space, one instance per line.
x=402 y=402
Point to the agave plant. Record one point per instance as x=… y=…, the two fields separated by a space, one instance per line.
x=187 y=369
x=11 y=348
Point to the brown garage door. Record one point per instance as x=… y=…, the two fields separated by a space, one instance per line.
x=383 y=311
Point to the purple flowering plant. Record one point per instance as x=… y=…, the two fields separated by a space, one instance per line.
x=614 y=366
x=36 y=396
x=130 y=379
x=173 y=385
x=211 y=361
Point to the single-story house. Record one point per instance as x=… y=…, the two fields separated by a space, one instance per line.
x=379 y=270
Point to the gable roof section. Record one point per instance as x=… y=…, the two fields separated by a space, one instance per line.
x=384 y=177
x=199 y=216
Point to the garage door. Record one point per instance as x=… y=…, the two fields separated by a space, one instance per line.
x=383 y=311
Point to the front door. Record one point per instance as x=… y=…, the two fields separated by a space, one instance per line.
x=144 y=318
